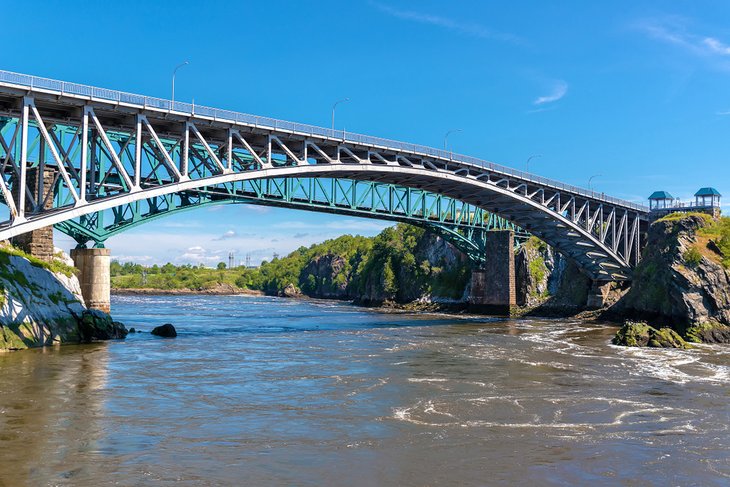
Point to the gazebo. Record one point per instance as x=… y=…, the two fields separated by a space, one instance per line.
x=707 y=197
x=660 y=200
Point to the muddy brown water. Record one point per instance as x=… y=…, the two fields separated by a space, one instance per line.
x=266 y=391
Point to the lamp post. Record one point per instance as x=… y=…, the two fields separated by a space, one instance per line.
x=527 y=164
x=174 y=72
x=446 y=137
x=333 y=110
x=590 y=180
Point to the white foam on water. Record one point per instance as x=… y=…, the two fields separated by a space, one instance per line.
x=432 y=379
x=677 y=366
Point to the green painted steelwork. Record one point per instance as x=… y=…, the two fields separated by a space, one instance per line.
x=461 y=224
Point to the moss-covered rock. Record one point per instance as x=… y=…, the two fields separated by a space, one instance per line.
x=711 y=332
x=97 y=325
x=640 y=334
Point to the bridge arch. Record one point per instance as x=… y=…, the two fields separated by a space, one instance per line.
x=463 y=225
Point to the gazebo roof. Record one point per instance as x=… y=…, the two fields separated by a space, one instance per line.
x=708 y=192
x=661 y=195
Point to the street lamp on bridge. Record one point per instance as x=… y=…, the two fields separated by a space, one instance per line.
x=174 y=72
x=446 y=137
x=590 y=180
x=527 y=164
x=333 y=110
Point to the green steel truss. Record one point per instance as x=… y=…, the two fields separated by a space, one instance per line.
x=462 y=224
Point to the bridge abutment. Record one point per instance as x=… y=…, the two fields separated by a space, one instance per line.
x=38 y=243
x=94 y=276
x=493 y=288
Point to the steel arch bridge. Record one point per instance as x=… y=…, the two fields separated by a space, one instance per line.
x=107 y=149
x=463 y=225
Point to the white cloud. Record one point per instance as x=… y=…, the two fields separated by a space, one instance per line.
x=716 y=46
x=724 y=112
x=466 y=28
x=559 y=90
x=228 y=235
x=139 y=259
x=674 y=30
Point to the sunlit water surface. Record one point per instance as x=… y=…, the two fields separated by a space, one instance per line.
x=265 y=391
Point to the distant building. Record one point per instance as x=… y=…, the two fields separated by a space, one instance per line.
x=707 y=200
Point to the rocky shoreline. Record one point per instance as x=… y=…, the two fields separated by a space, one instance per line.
x=41 y=305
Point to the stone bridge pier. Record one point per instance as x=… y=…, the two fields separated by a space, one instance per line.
x=38 y=243
x=94 y=276
x=493 y=288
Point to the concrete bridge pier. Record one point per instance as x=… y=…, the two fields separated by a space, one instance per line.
x=38 y=243
x=493 y=288
x=94 y=276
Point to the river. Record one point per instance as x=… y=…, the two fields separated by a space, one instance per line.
x=266 y=391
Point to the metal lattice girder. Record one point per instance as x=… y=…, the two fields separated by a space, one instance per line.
x=461 y=224
x=110 y=149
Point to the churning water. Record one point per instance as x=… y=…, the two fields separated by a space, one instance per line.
x=265 y=391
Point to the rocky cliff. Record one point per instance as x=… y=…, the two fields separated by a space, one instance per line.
x=408 y=264
x=41 y=304
x=683 y=280
x=548 y=283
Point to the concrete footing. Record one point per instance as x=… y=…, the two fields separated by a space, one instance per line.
x=94 y=276
x=493 y=288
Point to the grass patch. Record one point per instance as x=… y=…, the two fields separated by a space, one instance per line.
x=681 y=215
x=719 y=232
x=56 y=266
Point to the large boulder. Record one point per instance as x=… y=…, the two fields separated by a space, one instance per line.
x=97 y=325
x=639 y=334
x=165 y=331
x=291 y=291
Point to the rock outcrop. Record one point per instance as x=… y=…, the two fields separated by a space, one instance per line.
x=681 y=279
x=543 y=275
x=41 y=304
x=326 y=276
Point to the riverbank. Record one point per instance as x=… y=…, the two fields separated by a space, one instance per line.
x=219 y=290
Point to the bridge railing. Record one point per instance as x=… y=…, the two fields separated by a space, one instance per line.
x=312 y=130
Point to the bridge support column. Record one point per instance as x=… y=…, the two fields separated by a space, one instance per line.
x=493 y=288
x=94 y=276
x=38 y=243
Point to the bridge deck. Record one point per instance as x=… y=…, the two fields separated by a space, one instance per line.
x=85 y=93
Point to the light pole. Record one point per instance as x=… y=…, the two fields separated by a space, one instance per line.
x=446 y=137
x=590 y=180
x=527 y=164
x=174 y=72
x=333 y=110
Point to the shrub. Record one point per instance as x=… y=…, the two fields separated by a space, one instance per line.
x=692 y=257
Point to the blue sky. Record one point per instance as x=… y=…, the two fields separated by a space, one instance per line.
x=634 y=91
